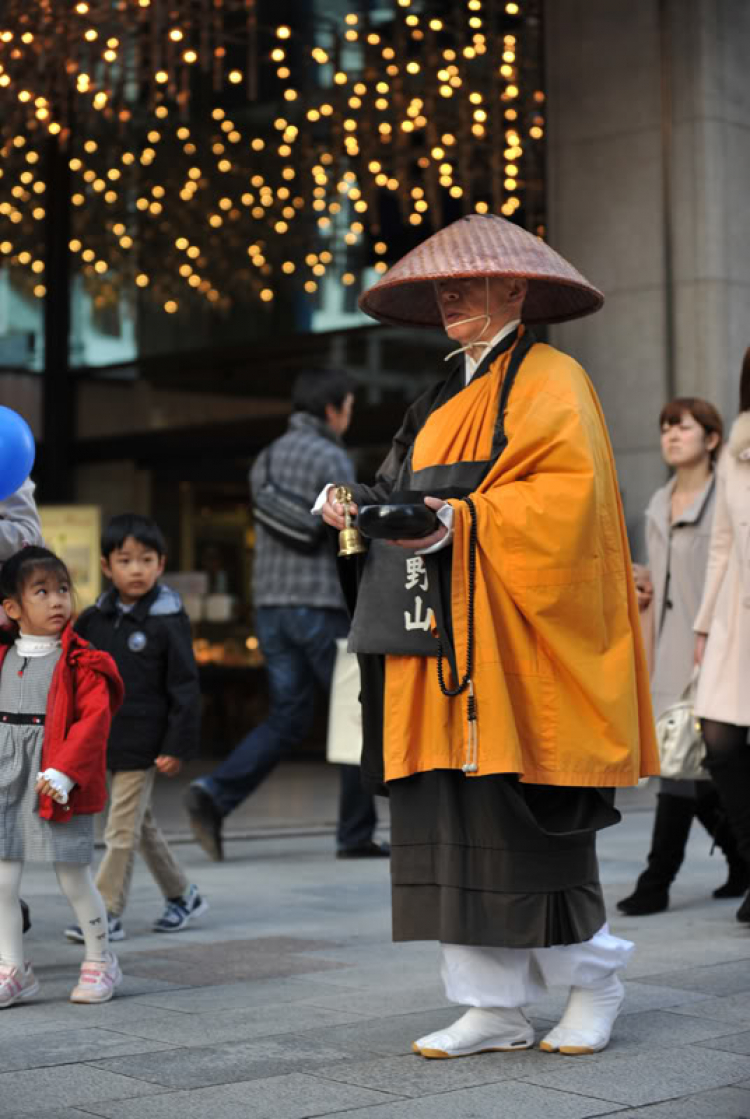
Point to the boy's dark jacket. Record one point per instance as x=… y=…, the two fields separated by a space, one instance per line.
x=153 y=650
x=84 y=693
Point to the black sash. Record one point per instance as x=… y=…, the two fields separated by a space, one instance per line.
x=13 y=718
x=402 y=598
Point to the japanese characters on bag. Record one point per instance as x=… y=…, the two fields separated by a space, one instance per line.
x=416 y=579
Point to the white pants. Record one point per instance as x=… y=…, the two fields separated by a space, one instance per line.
x=512 y=977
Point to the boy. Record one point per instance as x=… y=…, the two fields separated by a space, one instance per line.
x=142 y=624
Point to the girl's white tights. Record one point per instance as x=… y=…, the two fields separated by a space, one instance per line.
x=77 y=885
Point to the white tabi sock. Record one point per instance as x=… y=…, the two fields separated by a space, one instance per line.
x=479 y=1031
x=587 y=1022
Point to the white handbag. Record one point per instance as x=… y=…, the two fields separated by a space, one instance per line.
x=345 y=712
x=681 y=747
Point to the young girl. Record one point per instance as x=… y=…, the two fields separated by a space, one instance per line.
x=57 y=698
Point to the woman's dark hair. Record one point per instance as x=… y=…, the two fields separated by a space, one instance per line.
x=702 y=412
x=142 y=529
x=315 y=388
x=745 y=383
x=18 y=570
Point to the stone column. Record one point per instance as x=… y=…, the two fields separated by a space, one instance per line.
x=649 y=165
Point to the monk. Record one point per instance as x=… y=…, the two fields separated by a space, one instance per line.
x=504 y=685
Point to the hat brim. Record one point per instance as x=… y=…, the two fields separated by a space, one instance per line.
x=414 y=303
x=480 y=246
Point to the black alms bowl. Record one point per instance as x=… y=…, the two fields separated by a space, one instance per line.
x=396 y=522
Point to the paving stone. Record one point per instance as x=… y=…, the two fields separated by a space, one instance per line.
x=383 y=1003
x=52 y=1008
x=67 y=1086
x=235 y=996
x=645 y=1077
x=395 y=973
x=178 y=1028
x=198 y=1067
x=730 y=1042
x=721 y=1103
x=55 y=1113
x=652 y=1028
x=366 y=951
x=386 y=1036
x=259 y=958
x=730 y=1008
x=280 y=1097
x=67 y=1047
x=311 y=1042
x=508 y=1098
x=414 y=1076
x=718 y=979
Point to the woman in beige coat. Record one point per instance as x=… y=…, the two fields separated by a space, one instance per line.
x=723 y=633
x=678 y=531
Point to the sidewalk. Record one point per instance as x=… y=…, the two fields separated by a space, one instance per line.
x=287 y=999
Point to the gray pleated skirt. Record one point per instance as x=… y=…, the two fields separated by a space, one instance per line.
x=24 y=835
x=488 y=861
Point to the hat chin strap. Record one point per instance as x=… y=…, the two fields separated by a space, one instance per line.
x=473 y=318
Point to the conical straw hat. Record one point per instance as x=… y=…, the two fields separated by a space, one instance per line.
x=480 y=245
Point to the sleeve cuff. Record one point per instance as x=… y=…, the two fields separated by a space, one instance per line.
x=60 y=782
x=321 y=499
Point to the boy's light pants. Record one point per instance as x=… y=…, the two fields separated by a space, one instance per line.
x=131 y=827
x=505 y=977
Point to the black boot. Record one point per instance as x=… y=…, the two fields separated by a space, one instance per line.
x=730 y=773
x=672 y=821
x=711 y=814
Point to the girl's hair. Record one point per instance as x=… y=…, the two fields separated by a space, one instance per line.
x=702 y=412
x=17 y=571
x=745 y=383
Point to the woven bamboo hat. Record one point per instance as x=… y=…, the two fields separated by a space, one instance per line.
x=480 y=245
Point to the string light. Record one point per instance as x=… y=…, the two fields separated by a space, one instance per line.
x=412 y=109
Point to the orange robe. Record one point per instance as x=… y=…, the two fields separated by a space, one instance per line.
x=560 y=676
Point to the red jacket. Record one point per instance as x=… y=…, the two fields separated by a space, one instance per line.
x=84 y=694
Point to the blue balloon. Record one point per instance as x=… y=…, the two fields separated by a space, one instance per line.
x=17 y=451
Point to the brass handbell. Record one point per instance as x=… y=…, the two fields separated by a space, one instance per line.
x=350 y=541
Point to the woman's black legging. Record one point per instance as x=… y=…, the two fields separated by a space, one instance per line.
x=728 y=762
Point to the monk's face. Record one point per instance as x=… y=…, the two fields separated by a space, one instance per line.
x=477 y=308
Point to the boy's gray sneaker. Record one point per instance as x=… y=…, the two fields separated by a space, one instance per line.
x=179 y=911
x=116 y=931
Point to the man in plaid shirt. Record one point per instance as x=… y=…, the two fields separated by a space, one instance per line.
x=299 y=614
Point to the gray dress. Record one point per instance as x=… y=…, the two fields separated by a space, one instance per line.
x=24 y=687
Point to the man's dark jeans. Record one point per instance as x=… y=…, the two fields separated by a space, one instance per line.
x=299 y=646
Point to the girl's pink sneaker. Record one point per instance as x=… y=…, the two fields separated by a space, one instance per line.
x=16 y=983
x=97 y=980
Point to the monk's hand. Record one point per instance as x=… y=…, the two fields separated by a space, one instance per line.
x=422 y=542
x=333 y=511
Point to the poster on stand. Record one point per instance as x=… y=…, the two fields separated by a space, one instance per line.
x=72 y=532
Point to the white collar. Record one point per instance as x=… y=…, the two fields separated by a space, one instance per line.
x=471 y=364
x=32 y=645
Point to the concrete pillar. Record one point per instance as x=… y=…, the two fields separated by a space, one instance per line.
x=649 y=161
x=711 y=192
